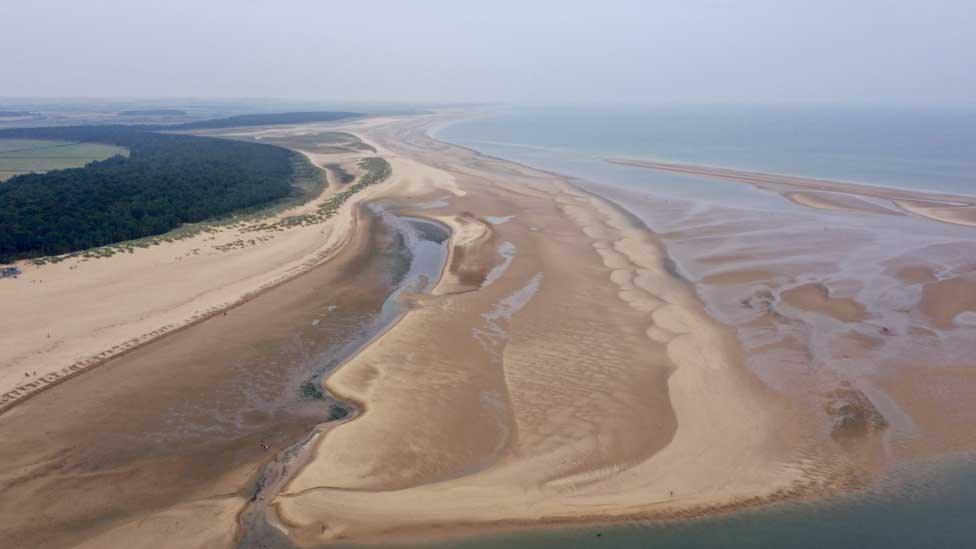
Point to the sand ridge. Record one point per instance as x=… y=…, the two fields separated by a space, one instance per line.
x=825 y=194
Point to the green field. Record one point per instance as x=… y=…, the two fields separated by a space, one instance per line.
x=19 y=156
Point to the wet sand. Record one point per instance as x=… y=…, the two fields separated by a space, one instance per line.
x=576 y=362
x=840 y=301
x=946 y=300
x=816 y=297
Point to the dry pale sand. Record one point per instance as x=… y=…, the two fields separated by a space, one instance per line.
x=583 y=382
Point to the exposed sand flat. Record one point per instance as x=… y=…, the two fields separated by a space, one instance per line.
x=584 y=382
x=825 y=194
x=938 y=398
x=816 y=297
x=208 y=523
x=836 y=201
x=915 y=274
x=959 y=214
x=744 y=276
x=945 y=300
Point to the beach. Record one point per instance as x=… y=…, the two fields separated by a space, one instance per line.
x=585 y=355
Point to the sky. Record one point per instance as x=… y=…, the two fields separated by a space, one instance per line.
x=870 y=52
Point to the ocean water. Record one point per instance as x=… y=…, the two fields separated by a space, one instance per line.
x=930 y=150
x=930 y=504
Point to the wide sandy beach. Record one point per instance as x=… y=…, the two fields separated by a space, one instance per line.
x=564 y=367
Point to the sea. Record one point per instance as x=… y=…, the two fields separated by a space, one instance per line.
x=932 y=150
x=928 y=504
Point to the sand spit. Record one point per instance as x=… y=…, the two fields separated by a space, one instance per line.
x=825 y=194
x=585 y=382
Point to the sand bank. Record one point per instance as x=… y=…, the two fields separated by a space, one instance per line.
x=828 y=194
x=824 y=304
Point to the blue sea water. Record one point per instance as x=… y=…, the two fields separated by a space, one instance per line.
x=919 y=149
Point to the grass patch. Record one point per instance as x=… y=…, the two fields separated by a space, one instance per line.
x=20 y=156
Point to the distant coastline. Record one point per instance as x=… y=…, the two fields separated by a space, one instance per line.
x=153 y=112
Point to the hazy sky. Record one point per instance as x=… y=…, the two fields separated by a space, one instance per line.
x=607 y=51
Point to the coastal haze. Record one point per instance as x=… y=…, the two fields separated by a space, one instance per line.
x=470 y=274
x=617 y=52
